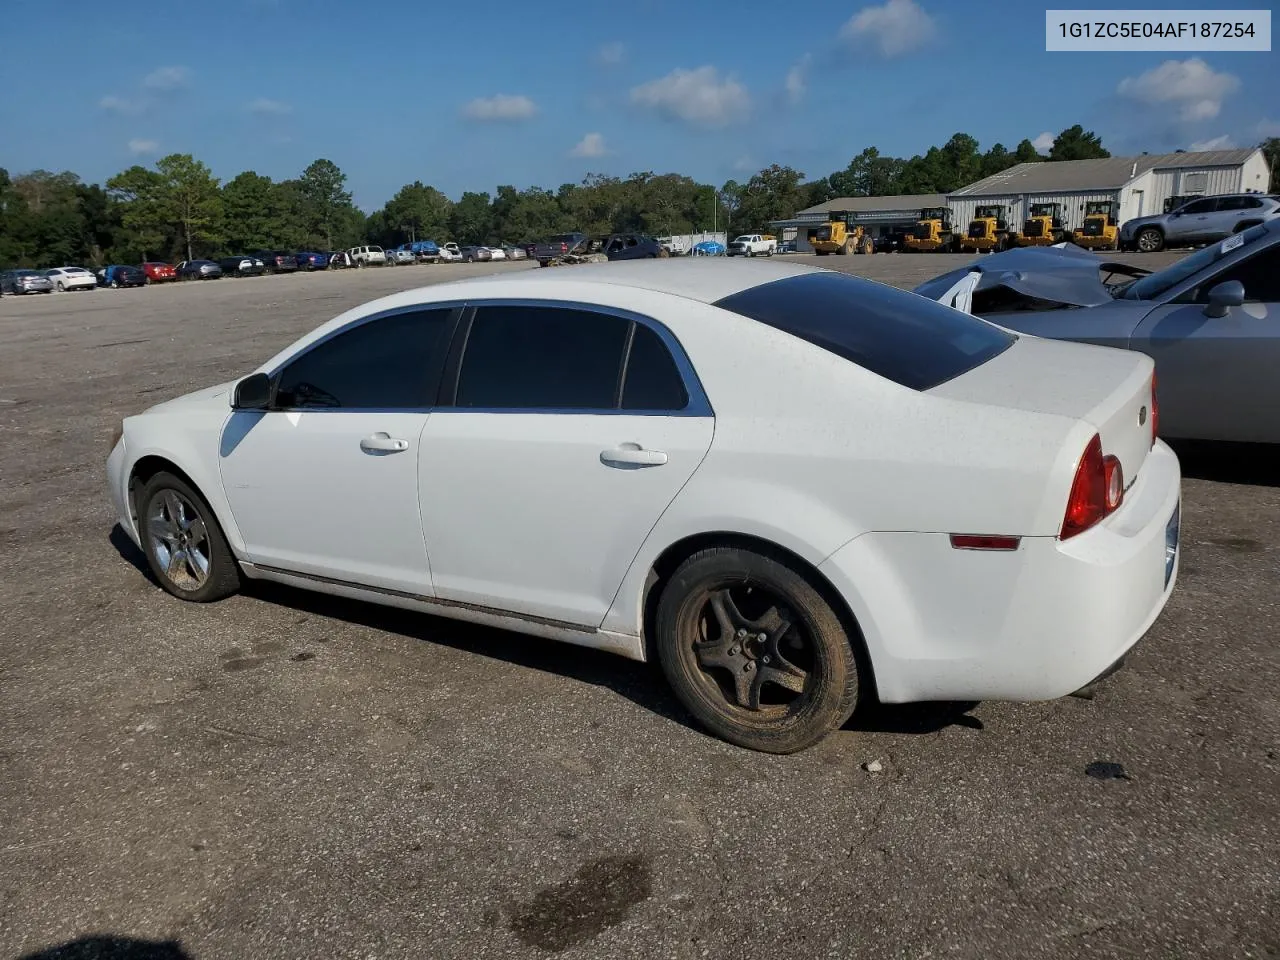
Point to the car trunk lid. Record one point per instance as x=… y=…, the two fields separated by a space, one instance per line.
x=1108 y=389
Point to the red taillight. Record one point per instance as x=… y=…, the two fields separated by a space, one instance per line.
x=1098 y=489
x=1155 y=410
x=564 y=248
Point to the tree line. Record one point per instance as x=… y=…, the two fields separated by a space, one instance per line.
x=178 y=210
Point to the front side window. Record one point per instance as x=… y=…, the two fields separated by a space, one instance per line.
x=390 y=363
x=1259 y=274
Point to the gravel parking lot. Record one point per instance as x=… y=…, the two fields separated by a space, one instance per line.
x=285 y=775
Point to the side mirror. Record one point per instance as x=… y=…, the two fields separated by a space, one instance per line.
x=1223 y=297
x=252 y=393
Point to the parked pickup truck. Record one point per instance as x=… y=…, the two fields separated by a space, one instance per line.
x=753 y=245
x=563 y=247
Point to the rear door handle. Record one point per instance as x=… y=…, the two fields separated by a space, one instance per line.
x=383 y=443
x=632 y=455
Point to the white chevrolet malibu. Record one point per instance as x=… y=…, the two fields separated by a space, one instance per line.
x=795 y=488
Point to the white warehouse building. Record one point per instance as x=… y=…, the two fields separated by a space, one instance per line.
x=1139 y=185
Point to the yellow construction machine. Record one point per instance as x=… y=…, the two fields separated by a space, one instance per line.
x=1100 y=231
x=988 y=231
x=932 y=232
x=1044 y=227
x=840 y=235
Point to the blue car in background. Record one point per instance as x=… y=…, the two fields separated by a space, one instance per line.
x=708 y=248
x=312 y=261
x=424 y=251
x=121 y=275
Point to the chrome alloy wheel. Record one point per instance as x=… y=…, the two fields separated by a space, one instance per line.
x=179 y=540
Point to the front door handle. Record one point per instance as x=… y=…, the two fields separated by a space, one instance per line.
x=632 y=455
x=383 y=443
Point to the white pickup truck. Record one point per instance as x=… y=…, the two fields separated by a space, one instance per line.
x=753 y=245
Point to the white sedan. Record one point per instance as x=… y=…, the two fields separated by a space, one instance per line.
x=795 y=488
x=71 y=278
x=497 y=253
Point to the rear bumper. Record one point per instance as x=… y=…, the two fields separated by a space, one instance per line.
x=1033 y=624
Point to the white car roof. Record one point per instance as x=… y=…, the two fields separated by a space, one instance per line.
x=703 y=279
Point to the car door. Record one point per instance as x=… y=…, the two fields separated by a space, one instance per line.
x=1192 y=222
x=325 y=482
x=1218 y=376
x=571 y=430
x=1232 y=211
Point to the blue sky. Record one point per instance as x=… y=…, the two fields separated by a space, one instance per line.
x=466 y=96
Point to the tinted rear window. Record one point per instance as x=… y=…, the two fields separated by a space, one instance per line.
x=900 y=336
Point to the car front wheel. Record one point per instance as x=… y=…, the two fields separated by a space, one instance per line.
x=185 y=547
x=754 y=651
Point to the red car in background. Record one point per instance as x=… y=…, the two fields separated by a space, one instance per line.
x=159 y=272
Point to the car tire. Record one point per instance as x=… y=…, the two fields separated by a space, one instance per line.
x=1149 y=240
x=61 y=288
x=184 y=545
x=732 y=682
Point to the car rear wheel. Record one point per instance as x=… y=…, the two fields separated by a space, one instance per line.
x=754 y=651
x=61 y=288
x=1150 y=240
x=185 y=547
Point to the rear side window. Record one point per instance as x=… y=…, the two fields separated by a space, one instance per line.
x=542 y=358
x=653 y=381
x=391 y=363
x=911 y=340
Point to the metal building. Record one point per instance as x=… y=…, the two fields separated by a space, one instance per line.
x=1140 y=185
x=877 y=214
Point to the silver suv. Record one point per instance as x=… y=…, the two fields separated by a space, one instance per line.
x=1203 y=220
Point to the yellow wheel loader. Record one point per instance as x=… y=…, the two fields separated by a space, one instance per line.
x=1044 y=227
x=840 y=235
x=988 y=231
x=932 y=233
x=1100 y=231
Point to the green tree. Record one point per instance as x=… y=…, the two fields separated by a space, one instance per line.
x=471 y=220
x=189 y=198
x=772 y=194
x=327 y=204
x=1026 y=152
x=249 y=212
x=418 y=212
x=1075 y=143
x=996 y=159
x=137 y=191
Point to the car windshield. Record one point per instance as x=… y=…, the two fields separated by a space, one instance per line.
x=1150 y=287
x=903 y=337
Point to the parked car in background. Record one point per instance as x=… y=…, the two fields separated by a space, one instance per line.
x=891 y=241
x=198 y=270
x=71 y=278
x=311 y=261
x=340 y=260
x=1204 y=220
x=450 y=251
x=516 y=252
x=368 y=256
x=633 y=246
x=425 y=251
x=708 y=248
x=559 y=247
x=753 y=245
x=400 y=256
x=276 y=261
x=242 y=266
x=471 y=253
x=121 y=275
x=23 y=281
x=497 y=253
x=156 y=271
x=1211 y=322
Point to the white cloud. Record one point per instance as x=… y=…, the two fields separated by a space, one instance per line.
x=698 y=97
x=897 y=27
x=264 y=106
x=611 y=54
x=140 y=147
x=500 y=107
x=798 y=79
x=116 y=104
x=1044 y=142
x=1191 y=86
x=1223 y=142
x=1268 y=128
x=166 y=78
x=591 y=145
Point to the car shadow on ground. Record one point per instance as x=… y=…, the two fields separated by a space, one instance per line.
x=1249 y=464
x=641 y=683
x=112 y=948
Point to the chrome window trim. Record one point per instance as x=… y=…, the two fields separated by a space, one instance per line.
x=697 y=405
